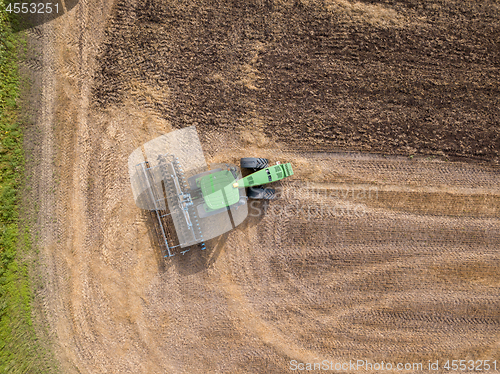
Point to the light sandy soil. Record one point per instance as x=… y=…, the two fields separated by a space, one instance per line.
x=362 y=257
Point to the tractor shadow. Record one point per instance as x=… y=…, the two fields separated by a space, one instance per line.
x=197 y=260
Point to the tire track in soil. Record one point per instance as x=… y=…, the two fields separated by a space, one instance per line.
x=368 y=268
x=284 y=285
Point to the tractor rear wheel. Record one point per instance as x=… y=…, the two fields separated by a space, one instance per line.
x=261 y=193
x=255 y=163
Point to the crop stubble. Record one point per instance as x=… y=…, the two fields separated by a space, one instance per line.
x=414 y=277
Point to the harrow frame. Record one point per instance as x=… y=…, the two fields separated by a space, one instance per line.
x=171 y=198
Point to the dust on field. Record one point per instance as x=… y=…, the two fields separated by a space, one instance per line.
x=362 y=256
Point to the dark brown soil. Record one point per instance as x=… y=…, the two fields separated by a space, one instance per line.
x=403 y=77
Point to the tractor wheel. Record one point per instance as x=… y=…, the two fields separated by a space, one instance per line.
x=254 y=163
x=261 y=193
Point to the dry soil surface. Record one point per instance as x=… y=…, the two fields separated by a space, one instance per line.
x=361 y=257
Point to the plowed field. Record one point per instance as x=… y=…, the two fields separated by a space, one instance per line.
x=382 y=247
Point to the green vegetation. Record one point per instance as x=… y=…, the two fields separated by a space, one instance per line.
x=19 y=350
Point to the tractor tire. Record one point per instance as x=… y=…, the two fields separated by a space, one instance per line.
x=261 y=193
x=254 y=163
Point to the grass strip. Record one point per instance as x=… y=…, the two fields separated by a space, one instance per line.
x=19 y=349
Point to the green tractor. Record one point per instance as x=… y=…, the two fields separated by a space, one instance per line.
x=170 y=179
x=221 y=189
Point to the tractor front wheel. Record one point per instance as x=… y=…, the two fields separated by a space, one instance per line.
x=255 y=163
x=261 y=193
